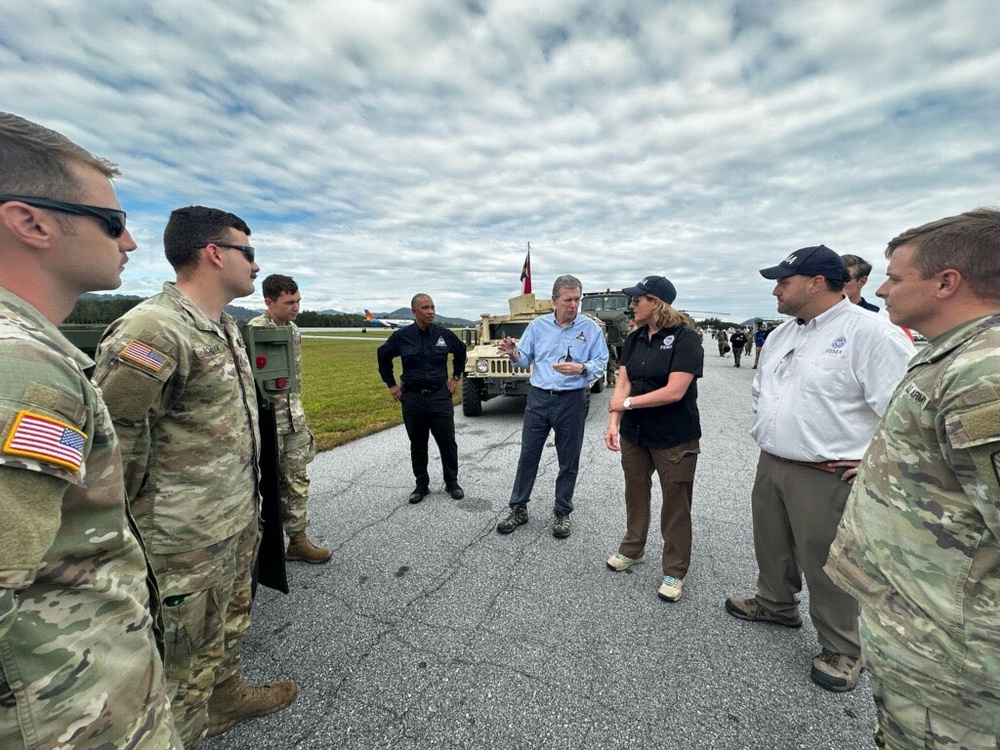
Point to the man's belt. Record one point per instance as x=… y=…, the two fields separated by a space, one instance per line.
x=554 y=392
x=821 y=465
x=422 y=388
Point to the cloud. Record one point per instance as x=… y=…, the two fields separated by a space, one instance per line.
x=380 y=148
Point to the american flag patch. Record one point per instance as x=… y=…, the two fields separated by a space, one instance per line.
x=143 y=355
x=46 y=439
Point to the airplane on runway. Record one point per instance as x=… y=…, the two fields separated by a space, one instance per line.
x=386 y=322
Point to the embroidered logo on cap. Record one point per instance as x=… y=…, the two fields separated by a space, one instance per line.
x=46 y=439
x=143 y=355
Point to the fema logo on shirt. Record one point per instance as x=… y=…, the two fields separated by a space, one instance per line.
x=668 y=343
x=837 y=346
x=581 y=337
x=441 y=342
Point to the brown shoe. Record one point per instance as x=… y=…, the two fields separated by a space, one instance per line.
x=234 y=700
x=300 y=548
x=748 y=608
x=836 y=672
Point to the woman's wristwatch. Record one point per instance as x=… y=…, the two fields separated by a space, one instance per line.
x=627 y=403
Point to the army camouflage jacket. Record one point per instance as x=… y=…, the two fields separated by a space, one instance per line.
x=78 y=664
x=181 y=392
x=919 y=542
x=288 y=407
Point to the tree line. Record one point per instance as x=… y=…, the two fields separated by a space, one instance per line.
x=108 y=309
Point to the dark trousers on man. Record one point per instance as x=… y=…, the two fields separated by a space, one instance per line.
x=796 y=510
x=427 y=414
x=565 y=413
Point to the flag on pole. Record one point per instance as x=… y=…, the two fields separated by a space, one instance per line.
x=526 y=272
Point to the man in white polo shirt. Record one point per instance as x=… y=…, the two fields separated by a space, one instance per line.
x=822 y=384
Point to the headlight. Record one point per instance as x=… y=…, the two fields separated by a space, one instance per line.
x=482 y=366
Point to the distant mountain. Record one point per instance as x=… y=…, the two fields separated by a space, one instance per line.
x=405 y=313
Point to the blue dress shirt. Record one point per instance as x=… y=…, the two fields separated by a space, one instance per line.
x=545 y=343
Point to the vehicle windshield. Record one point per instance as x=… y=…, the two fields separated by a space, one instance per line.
x=511 y=328
x=604 y=302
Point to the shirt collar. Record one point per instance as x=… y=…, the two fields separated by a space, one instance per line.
x=941 y=345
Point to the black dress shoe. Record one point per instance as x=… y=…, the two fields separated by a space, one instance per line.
x=418 y=494
x=456 y=492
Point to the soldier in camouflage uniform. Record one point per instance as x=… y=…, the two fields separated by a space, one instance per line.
x=296 y=447
x=79 y=666
x=919 y=542
x=178 y=383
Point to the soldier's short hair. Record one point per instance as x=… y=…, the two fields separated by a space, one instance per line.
x=416 y=298
x=276 y=284
x=193 y=227
x=34 y=161
x=968 y=242
x=862 y=267
x=565 y=281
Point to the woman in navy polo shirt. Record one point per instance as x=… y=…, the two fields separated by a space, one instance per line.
x=654 y=423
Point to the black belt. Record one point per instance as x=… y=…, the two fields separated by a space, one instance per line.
x=821 y=465
x=422 y=391
x=557 y=392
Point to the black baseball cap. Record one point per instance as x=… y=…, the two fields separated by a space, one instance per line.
x=655 y=286
x=809 y=261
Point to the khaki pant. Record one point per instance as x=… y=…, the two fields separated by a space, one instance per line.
x=205 y=602
x=796 y=510
x=675 y=468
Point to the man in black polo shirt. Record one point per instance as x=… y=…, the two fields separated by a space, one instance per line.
x=426 y=391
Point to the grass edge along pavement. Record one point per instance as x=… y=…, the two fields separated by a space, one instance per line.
x=342 y=393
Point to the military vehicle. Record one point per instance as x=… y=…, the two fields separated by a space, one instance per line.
x=488 y=373
x=612 y=309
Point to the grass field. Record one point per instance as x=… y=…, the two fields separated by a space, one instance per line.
x=344 y=397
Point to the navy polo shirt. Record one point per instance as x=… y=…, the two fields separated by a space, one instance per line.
x=424 y=354
x=649 y=363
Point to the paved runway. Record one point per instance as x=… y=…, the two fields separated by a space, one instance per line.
x=430 y=630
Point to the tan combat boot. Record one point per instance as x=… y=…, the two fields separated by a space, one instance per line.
x=300 y=548
x=234 y=700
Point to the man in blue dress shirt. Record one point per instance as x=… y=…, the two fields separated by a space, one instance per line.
x=568 y=351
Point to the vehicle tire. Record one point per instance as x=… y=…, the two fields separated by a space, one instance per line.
x=472 y=404
x=597 y=386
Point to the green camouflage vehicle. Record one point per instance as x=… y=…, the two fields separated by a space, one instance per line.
x=612 y=309
x=488 y=373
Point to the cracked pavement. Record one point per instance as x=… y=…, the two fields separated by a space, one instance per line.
x=430 y=630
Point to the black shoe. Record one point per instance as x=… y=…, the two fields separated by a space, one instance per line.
x=456 y=492
x=560 y=527
x=418 y=494
x=518 y=515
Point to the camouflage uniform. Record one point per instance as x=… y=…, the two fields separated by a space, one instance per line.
x=78 y=662
x=181 y=392
x=919 y=543
x=296 y=446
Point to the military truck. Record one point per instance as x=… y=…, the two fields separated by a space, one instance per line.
x=612 y=309
x=488 y=373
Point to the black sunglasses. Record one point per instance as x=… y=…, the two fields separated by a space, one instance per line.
x=113 y=218
x=248 y=252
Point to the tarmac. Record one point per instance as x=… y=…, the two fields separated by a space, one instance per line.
x=430 y=630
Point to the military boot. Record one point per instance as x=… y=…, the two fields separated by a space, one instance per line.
x=234 y=700
x=300 y=548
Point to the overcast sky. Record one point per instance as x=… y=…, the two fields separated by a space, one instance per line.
x=382 y=148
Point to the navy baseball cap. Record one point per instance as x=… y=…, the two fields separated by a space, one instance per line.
x=809 y=261
x=655 y=286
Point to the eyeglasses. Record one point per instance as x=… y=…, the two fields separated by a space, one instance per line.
x=635 y=300
x=113 y=218
x=248 y=252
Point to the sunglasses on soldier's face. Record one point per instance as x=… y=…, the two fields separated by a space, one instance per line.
x=248 y=252
x=113 y=218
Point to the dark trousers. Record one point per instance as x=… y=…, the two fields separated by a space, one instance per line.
x=431 y=414
x=565 y=413
x=675 y=468
x=796 y=510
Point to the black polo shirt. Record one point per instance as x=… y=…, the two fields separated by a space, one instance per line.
x=649 y=364
x=424 y=354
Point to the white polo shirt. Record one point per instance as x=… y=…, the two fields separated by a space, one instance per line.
x=821 y=387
